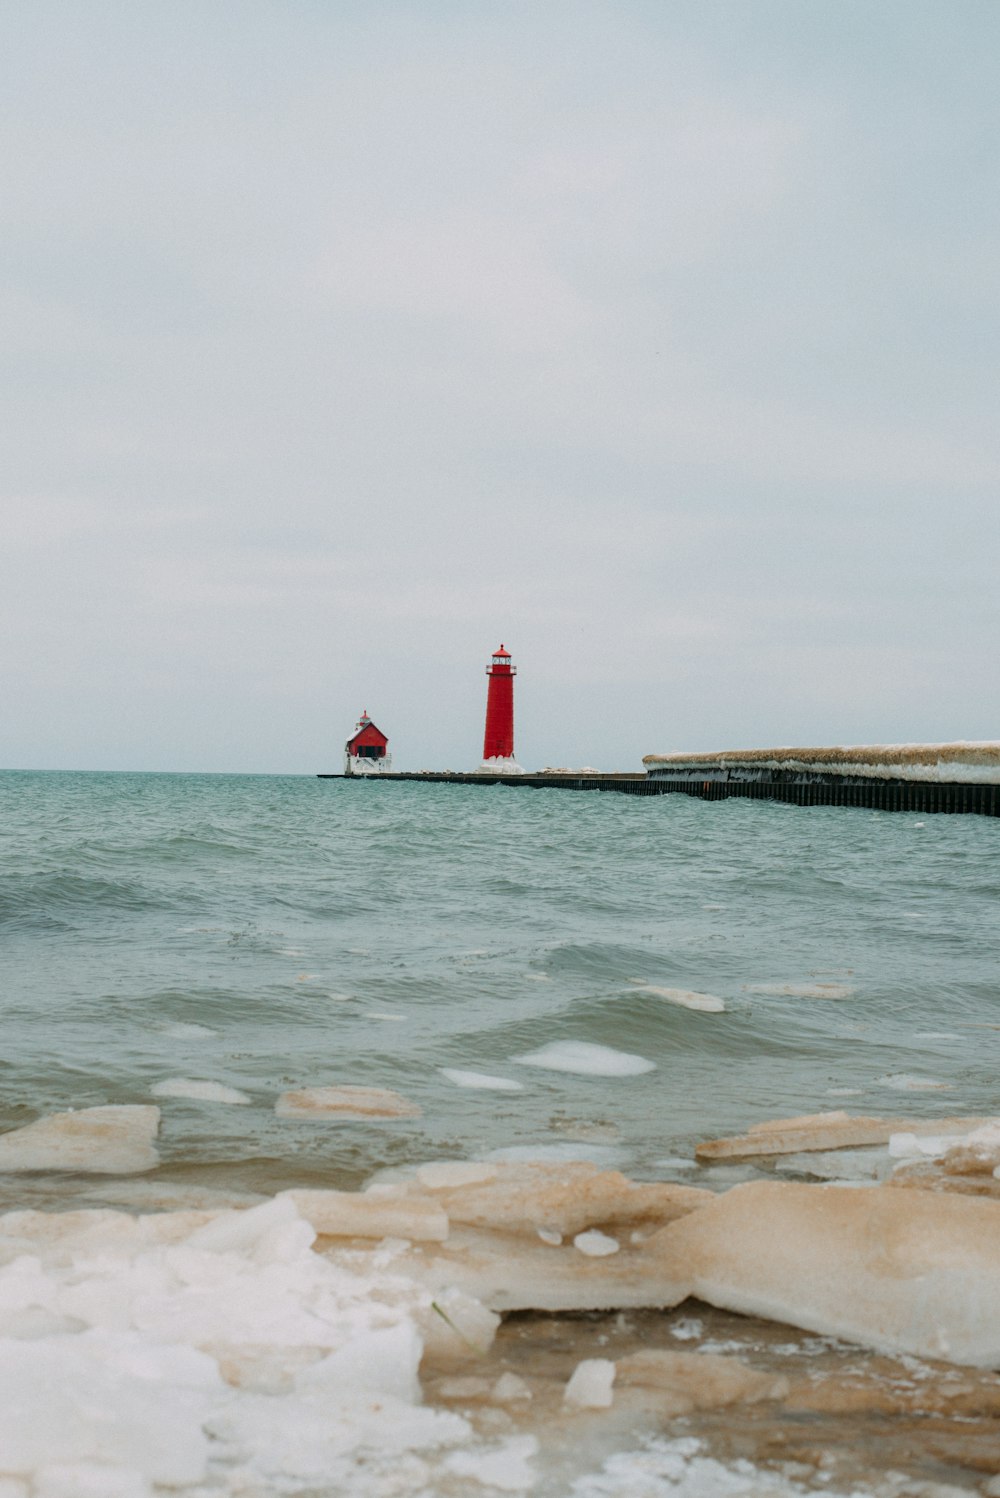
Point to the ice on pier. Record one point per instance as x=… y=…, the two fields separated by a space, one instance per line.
x=116 y=1139
x=586 y=1059
x=345 y=1102
x=970 y=763
x=685 y=998
x=499 y=765
x=203 y=1092
x=481 y=1080
x=901 y=1271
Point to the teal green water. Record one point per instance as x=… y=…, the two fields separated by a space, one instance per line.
x=323 y=932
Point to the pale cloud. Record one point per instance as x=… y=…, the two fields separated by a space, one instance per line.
x=342 y=341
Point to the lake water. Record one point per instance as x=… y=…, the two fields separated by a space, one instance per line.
x=269 y=933
x=272 y=933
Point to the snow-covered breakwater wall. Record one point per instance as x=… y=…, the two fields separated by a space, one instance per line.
x=958 y=777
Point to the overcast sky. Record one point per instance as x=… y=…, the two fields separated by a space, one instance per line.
x=342 y=340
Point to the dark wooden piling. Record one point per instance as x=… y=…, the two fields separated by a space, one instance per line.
x=799 y=788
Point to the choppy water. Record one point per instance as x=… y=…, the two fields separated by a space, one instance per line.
x=270 y=933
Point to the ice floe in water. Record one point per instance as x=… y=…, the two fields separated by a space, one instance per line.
x=181 y=1031
x=802 y=990
x=597 y=1154
x=478 y=1079
x=685 y=998
x=903 y=1082
x=345 y=1102
x=204 y=1092
x=587 y=1060
x=110 y=1140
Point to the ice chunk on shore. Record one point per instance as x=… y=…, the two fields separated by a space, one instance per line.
x=204 y=1092
x=839 y=1165
x=823 y=1131
x=596 y=1245
x=371 y=1214
x=684 y=997
x=111 y=1140
x=968 y=1162
x=478 y=1079
x=345 y=1102
x=901 y=1271
x=698 y=1380
x=590 y=1386
x=587 y=1060
x=567 y=1199
x=168 y=1331
x=505 y=1469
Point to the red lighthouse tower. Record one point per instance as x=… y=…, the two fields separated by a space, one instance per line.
x=498 y=741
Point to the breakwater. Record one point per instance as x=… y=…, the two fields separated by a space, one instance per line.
x=749 y=774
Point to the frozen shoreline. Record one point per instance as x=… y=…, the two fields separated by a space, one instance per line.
x=347 y=1342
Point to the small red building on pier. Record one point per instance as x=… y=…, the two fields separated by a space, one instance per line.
x=367 y=752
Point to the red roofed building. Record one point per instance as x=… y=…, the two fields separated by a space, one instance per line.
x=367 y=752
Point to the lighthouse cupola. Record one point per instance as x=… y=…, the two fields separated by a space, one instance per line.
x=498 y=740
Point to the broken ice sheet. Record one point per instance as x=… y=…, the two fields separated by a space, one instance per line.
x=685 y=998
x=197 y=1091
x=347 y=1102
x=480 y=1080
x=899 y=1270
x=116 y=1139
x=802 y=990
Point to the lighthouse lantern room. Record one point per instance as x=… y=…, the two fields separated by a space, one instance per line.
x=498 y=740
x=367 y=752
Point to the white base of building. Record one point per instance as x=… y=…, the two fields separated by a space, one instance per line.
x=354 y=764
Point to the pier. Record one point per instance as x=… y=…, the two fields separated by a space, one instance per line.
x=811 y=778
